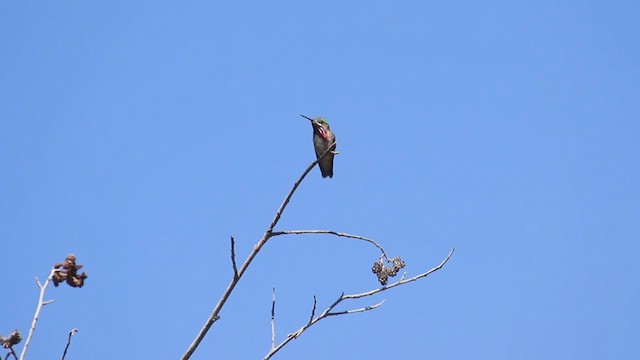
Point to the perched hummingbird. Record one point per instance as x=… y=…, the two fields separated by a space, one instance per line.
x=322 y=138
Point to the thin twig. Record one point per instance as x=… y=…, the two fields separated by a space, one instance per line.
x=71 y=333
x=41 y=303
x=256 y=248
x=324 y=314
x=313 y=310
x=273 y=318
x=331 y=232
x=233 y=258
x=347 y=312
x=328 y=311
x=11 y=352
x=295 y=186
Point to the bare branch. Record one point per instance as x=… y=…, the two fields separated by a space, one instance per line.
x=71 y=333
x=311 y=322
x=331 y=232
x=41 y=303
x=295 y=186
x=273 y=318
x=256 y=248
x=233 y=258
x=328 y=311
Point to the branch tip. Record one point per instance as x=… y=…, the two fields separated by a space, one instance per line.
x=233 y=258
x=313 y=310
x=335 y=233
x=273 y=317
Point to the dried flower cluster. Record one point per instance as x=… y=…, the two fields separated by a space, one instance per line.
x=384 y=272
x=13 y=339
x=69 y=272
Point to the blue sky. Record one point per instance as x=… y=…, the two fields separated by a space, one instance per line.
x=140 y=135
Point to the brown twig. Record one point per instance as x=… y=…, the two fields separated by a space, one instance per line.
x=328 y=311
x=71 y=333
x=256 y=248
x=331 y=232
x=233 y=258
x=41 y=303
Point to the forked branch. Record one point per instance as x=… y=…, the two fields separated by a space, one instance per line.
x=329 y=311
x=41 y=303
x=11 y=352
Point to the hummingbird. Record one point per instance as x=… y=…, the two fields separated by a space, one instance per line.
x=323 y=137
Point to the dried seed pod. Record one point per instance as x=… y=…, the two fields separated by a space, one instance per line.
x=383 y=277
x=377 y=267
x=398 y=263
x=13 y=339
x=67 y=271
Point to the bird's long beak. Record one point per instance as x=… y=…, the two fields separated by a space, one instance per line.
x=306 y=117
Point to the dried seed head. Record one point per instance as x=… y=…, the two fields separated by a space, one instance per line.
x=384 y=272
x=383 y=277
x=377 y=267
x=13 y=339
x=398 y=263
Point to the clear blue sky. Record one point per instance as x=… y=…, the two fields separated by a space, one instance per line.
x=140 y=135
